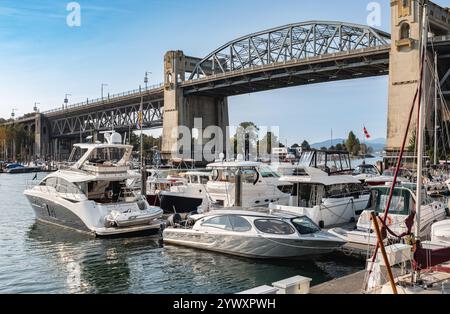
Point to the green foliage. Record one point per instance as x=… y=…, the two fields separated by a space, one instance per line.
x=353 y=145
x=305 y=145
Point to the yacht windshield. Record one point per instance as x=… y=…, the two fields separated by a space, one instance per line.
x=107 y=155
x=266 y=172
x=304 y=225
x=402 y=201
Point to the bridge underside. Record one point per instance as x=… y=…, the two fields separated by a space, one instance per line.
x=333 y=67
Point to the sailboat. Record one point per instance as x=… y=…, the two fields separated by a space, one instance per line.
x=430 y=266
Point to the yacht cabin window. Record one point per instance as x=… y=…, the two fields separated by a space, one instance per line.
x=229 y=223
x=61 y=186
x=229 y=175
x=308 y=195
x=272 y=226
x=305 y=225
x=106 y=156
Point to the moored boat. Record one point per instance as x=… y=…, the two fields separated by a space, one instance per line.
x=92 y=195
x=252 y=233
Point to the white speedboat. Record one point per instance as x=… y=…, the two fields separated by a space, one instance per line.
x=326 y=200
x=403 y=203
x=92 y=195
x=253 y=233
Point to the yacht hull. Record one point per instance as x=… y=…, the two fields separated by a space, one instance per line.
x=252 y=247
x=51 y=212
x=180 y=204
x=56 y=214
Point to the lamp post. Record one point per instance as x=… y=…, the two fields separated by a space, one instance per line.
x=66 y=100
x=103 y=85
x=35 y=108
x=13 y=113
x=146 y=79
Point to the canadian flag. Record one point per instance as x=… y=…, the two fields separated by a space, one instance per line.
x=366 y=133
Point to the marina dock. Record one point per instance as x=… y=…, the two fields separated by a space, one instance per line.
x=351 y=284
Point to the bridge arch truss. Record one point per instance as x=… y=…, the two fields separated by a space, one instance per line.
x=287 y=43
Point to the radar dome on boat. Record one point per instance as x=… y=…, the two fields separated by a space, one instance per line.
x=113 y=137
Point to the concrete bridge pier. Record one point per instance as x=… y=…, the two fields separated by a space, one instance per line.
x=194 y=112
x=41 y=137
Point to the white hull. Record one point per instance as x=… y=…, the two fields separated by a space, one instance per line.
x=90 y=217
x=331 y=212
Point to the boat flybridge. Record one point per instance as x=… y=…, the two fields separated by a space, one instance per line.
x=91 y=195
x=253 y=233
x=326 y=199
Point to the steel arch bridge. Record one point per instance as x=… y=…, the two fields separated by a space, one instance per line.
x=289 y=43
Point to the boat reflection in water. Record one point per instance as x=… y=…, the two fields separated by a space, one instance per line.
x=81 y=264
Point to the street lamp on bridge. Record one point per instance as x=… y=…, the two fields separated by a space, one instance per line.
x=146 y=78
x=13 y=113
x=35 y=108
x=103 y=85
x=66 y=100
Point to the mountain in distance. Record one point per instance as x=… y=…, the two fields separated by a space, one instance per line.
x=377 y=144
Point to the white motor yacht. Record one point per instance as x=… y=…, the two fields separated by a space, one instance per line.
x=92 y=195
x=326 y=200
x=260 y=186
x=253 y=233
x=403 y=203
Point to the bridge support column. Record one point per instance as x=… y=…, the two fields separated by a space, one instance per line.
x=405 y=68
x=41 y=137
x=185 y=111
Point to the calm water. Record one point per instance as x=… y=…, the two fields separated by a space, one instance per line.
x=36 y=258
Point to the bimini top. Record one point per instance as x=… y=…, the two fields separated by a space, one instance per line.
x=316 y=176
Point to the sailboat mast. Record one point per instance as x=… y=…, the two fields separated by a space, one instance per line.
x=421 y=126
x=436 y=80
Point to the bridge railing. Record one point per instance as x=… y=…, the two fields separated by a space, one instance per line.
x=107 y=98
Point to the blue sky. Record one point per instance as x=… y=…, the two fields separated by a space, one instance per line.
x=42 y=59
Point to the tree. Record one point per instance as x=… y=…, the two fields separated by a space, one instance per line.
x=323 y=148
x=249 y=132
x=295 y=145
x=305 y=145
x=353 y=145
x=267 y=143
x=412 y=142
